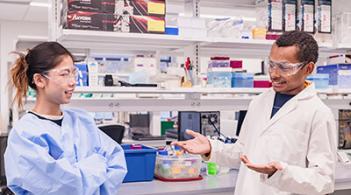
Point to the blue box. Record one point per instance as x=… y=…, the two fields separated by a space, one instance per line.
x=242 y=80
x=339 y=74
x=332 y=70
x=171 y=31
x=140 y=163
x=344 y=76
x=321 y=81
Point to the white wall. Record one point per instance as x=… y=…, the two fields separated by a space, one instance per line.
x=9 y=32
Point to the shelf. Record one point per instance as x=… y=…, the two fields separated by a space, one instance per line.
x=251 y=48
x=152 y=90
x=200 y=99
x=102 y=40
x=334 y=91
x=114 y=74
x=345 y=46
x=169 y=91
x=154 y=105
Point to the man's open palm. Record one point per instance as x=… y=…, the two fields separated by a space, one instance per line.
x=198 y=145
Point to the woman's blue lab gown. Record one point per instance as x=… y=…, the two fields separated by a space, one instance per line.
x=76 y=158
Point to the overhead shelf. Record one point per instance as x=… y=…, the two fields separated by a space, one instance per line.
x=240 y=47
x=113 y=41
x=122 y=41
x=169 y=91
x=152 y=90
x=200 y=99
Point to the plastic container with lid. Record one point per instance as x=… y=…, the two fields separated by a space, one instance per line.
x=183 y=167
x=321 y=81
x=219 y=79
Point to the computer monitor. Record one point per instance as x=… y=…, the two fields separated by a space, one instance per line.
x=209 y=122
x=188 y=120
x=139 y=124
x=240 y=117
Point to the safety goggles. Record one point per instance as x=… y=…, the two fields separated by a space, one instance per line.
x=285 y=68
x=62 y=75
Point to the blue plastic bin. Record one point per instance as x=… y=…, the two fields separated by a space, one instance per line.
x=140 y=163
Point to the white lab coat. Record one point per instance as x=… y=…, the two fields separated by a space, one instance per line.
x=301 y=136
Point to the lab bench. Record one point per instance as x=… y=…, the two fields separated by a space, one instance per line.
x=220 y=184
x=223 y=184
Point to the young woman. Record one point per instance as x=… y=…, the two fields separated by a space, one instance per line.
x=53 y=150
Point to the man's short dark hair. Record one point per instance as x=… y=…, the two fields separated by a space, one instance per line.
x=306 y=44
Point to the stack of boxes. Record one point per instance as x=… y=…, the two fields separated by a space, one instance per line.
x=339 y=74
x=226 y=73
x=138 y=16
x=148 y=16
x=240 y=78
x=89 y=15
x=219 y=73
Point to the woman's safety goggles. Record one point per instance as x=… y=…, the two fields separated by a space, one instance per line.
x=285 y=68
x=64 y=75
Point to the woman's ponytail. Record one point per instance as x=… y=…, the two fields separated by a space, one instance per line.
x=19 y=78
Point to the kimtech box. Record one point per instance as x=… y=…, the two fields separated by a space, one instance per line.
x=147 y=24
x=89 y=21
x=148 y=7
x=103 y=6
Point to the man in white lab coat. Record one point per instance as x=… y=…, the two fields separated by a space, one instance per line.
x=287 y=143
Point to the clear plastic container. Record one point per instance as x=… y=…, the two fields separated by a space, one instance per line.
x=185 y=166
x=219 y=79
x=321 y=81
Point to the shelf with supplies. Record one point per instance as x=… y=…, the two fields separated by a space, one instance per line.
x=99 y=89
x=148 y=41
x=111 y=41
x=102 y=41
x=158 y=99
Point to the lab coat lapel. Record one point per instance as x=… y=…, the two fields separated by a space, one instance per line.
x=266 y=111
x=69 y=134
x=288 y=107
